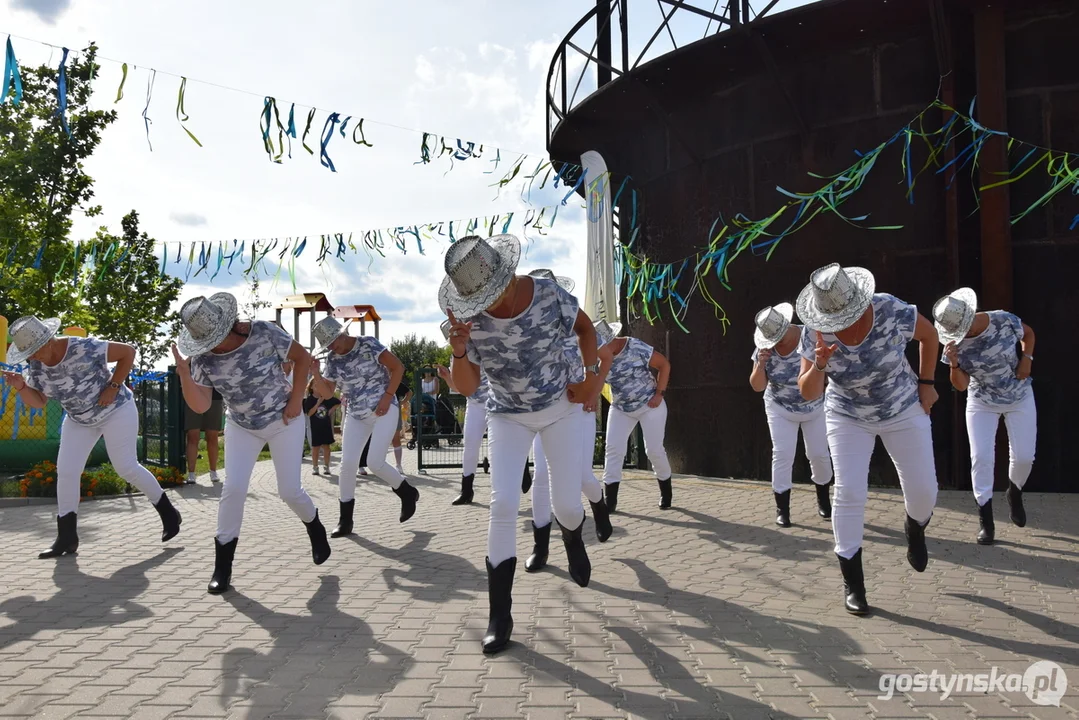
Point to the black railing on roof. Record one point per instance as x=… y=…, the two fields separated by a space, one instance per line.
x=602 y=45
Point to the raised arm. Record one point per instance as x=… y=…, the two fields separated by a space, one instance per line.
x=29 y=395
x=198 y=397
x=812 y=374
x=956 y=375
x=758 y=378
x=465 y=373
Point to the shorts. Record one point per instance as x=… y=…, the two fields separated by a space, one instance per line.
x=209 y=421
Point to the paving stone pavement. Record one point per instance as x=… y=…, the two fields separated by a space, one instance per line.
x=707 y=610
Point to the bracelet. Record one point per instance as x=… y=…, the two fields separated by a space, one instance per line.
x=460 y=357
x=926 y=382
x=1029 y=357
x=820 y=369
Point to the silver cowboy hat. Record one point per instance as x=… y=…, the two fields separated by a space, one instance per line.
x=206 y=322
x=835 y=297
x=326 y=331
x=772 y=323
x=953 y=315
x=566 y=283
x=606 y=332
x=28 y=335
x=478 y=271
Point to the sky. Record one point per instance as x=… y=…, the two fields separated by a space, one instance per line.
x=470 y=69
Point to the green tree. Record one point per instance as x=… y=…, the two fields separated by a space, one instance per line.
x=42 y=185
x=129 y=299
x=251 y=309
x=415 y=352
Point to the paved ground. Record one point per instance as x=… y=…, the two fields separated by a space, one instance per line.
x=704 y=611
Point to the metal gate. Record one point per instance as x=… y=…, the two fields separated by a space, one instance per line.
x=161 y=417
x=436 y=425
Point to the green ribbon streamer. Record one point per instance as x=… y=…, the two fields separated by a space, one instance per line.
x=181 y=114
x=307 y=129
x=120 y=90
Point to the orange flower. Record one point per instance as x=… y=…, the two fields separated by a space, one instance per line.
x=89 y=494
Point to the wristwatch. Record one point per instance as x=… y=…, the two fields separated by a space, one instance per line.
x=111 y=384
x=594 y=369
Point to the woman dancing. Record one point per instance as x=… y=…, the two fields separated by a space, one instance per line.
x=979 y=348
x=857 y=340
x=243 y=361
x=590 y=485
x=368 y=374
x=626 y=364
x=519 y=329
x=74 y=371
x=776 y=365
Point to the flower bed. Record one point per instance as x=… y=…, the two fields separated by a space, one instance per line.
x=40 y=481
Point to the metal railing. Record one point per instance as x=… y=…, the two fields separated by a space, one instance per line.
x=161 y=415
x=586 y=59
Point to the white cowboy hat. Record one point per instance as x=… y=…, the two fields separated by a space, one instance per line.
x=206 y=322
x=326 y=331
x=606 y=332
x=477 y=272
x=772 y=323
x=566 y=283
x=835 y=297
x=28 y=335
x=954 y=314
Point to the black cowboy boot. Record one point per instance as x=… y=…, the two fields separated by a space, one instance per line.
x=580 y=569
x=67 y=539
x=344 y=525
x=987 y=528
x=611 y=493
x=409 y=495
x=526 y=480
x=783 y=508
x=664 y=493
x=854 y=584
x=320 y=546
x=538 y=559
x=602 y=515
x=170 y=518
x=500 y=596
x=917 y=553
x=824 y=500
x=223 y=555
x=465 y=498
x=1015 y=502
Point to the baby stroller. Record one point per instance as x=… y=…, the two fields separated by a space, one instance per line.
x=424 y=422
x=446 y=419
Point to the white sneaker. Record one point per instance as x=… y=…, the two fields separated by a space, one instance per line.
x=363 y=471
x=191 y=478
x=213 y=477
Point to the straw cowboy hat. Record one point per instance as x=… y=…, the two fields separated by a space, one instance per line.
x=835 y=297
x=566 y=283
x=206 y=323
x=478 y=271
x=772 y=323
x=606 y=332
x=326 y=331
x=28 y=335
x=954 y=314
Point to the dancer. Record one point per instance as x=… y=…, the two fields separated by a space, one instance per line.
x=208 y=423
x=776 y=363
x=857 y=339
x=979 y=349
x=243 y=361
x=74 y=371
x=475 y=427
x=518 y=333
x=319 y=412
x=590 y=485
x=368 y=374
x=627 y=364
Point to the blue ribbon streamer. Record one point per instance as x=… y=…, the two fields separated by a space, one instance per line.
x=327 y=135
x=12 y=76
x=61 y=93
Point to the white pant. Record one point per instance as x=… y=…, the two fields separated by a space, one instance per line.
x=121 y=432
x=541 y=487
x=242 y=448
x=509 y=438
x=908 y=438
x=475 y=427
x=1021 y=420
x=783 y=426
x=354 y=435
x=619 y=427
